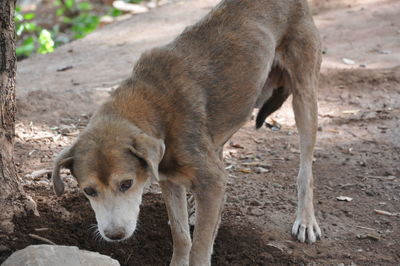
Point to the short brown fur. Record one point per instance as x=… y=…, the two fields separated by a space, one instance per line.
x=192 y=95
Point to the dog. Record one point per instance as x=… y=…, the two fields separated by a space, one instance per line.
x=168 y=122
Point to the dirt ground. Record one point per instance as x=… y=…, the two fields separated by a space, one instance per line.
x=357 y=153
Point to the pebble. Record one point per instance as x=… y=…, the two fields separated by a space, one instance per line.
x=348 y=61
x=385 y=52
x=255 y=203
x=256 y=212
x=4 y=248
x=261 y=170
x=43 y=182
x=370 y=193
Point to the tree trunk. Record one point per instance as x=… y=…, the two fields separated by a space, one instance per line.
x=12 y=197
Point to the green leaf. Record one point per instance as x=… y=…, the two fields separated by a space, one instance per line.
x=60 y=11
x=46 y=43
x=30 y=26
x=20 y=29
x=114 y=12
x=29 y=16
x=84 y=6
x=27 y=47
x=134 y=1
x=69 y=3
x=67 y=20
x=84 y=24
x=18 y=17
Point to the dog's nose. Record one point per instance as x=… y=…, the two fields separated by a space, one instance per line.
x=115 y=233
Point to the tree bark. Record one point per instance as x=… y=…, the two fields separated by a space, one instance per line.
x=12 y=197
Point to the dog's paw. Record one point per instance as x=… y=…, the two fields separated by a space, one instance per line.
x=306 y=230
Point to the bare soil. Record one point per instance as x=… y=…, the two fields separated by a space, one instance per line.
x=357 y=153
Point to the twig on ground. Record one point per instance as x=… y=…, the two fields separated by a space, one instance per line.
x=386 y=213
x=366 y=228
x=41 y=229
x=38 y=173
x=45 y=240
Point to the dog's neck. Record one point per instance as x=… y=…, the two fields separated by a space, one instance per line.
x=138 y=112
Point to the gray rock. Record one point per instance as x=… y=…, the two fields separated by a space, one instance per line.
x=48 y=255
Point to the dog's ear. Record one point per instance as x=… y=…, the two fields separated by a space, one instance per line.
x=149 y=149
x=63 y=160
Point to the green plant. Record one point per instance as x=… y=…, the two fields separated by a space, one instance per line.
x=114 y=12
x=77 y=16
x=46 y=43
x=33 y=37
x=82 y=24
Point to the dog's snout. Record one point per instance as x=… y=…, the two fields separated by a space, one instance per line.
x=115 y=233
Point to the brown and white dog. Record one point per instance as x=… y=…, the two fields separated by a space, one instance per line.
x=170 y=119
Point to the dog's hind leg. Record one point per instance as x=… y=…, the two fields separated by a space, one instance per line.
x=208 y=190
x=302 y=60
x=175 y=199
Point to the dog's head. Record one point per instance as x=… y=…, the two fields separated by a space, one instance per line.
x=112 y=161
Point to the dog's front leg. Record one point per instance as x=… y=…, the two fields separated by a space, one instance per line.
x=175 y=199
x=208 y=190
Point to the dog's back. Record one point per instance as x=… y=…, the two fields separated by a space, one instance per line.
x=231 y=52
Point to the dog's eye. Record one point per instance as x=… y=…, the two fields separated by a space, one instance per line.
x=125 y=185
x=90 y=191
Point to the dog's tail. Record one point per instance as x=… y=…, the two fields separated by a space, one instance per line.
x=278 y=97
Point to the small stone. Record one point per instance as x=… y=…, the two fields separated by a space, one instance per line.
x=344 y=198
x=43 y=182
x=255 y=203
x=152 y=4
x=387 y=173
x=385 y=52
x=256 y=212
x=104 y=20
x=348 y=61
x=370 y=193
x=4 y=249
x=127 y=7
x=261 y=170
